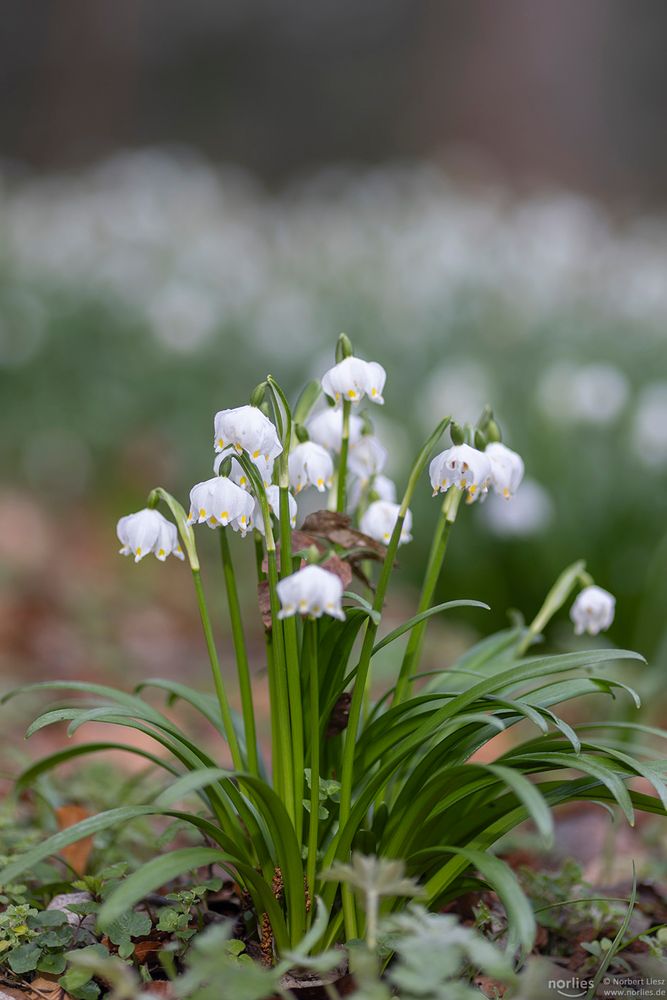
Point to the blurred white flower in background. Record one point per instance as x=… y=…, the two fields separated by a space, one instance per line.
x=183 y=316
x=326 y=428
x=588 y=394
x=593 y=611
x=310 y=465
x=460 y=389
x=649 y=426
x=379 y=521
x=367 y=457
x=273 y=500
x=529 y=513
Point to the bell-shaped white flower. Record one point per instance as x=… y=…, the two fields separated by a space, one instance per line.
x=326 y=428
x=310 y=465
x=379 y=488
x=219 y=501
x=148 y=531
x=273 y=499
x=507 y=469
x=367 y=457
x=238 y=475
x=379 y=521
x=593 y=610
x=311 y=591
x=461 y=466
x=352 y=379
x=245 y=428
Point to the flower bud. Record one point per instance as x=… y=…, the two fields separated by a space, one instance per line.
x=481 y=439
x=301 y=433
x=343 y=347
x=257 y=394
x=456 y=433
x=493 y=434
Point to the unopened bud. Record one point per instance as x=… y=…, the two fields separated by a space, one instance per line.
x=493 y=432
x=456 y=433
x=343 y=348
x=481 y=440
x=257 y=394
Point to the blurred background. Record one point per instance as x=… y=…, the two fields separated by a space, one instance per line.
x=193 y=195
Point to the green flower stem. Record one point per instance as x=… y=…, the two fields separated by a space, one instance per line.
x=225 y=710
x=280 y=711
x=292 y=665
x=242 y=665
x=356 y=705
x=310 y=651
x=282 y=762
x=575 y=575
x=413 y=650
x=342 y=464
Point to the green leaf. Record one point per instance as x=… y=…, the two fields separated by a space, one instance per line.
x=151 y=876
x=24 y=958
x=52 y=962
x=416 y=619
x=190 y=782
x=128 y=925
x=501 y=878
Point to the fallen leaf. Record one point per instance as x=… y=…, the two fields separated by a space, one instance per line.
x=78 y=853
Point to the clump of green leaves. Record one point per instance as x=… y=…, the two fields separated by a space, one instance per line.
x=186 y=906
x=32 y=941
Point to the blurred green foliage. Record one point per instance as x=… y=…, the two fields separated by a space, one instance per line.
x=140 y=297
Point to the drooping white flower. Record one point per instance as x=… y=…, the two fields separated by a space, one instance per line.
x=148 y=531
x=352 y=379
x=649 y=426
x=310 y=465
x=379 y=488
x=593 y=610
x=326 y=428
x=367 y=457
x=219 y=501
x=273 y=499
x=311 y=591
x=379 y=521
x=245 y=428
x=461 y=466
x=507 y=469
x=238 y=475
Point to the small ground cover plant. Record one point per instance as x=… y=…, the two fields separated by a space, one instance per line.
x=398 y=780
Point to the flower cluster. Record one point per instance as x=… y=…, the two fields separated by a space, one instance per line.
x=245 y=434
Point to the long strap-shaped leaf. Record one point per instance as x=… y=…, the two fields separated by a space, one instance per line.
x=501 y=878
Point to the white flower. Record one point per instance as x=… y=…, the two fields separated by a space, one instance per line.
x=530 y=512
x=380 y=488
x=649 y=426
x=245 y=428
x=326 y=428
x=367 y=457
x=379 y=521
x=352 y=379
x=220 y=501
x=507 y=469
x=593 y=611
x=311 y=591
x=148 y=531
x=461 y=466
x=238 y=475
x=310 y=465
x=273 y=499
